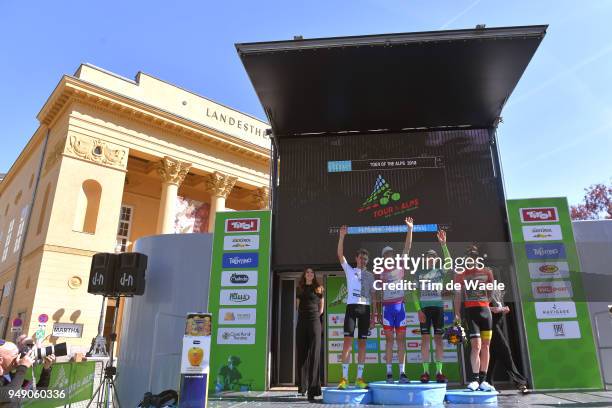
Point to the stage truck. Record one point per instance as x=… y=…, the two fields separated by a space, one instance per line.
x=369 y=130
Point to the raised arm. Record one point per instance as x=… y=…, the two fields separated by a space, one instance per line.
x=341 y=235
x=457 y=302
x=445 y=252
x=408 y=244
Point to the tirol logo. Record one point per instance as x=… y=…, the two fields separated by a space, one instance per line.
x=383 y=202
x=242 y=225
x=545 y=251
x=539 y=214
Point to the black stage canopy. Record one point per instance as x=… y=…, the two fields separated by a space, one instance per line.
x=390 y=82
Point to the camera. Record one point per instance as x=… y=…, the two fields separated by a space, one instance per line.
x=59 y=350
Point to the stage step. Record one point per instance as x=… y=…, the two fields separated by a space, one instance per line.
x=351 y=395
x=414 y=393
x=472 y=397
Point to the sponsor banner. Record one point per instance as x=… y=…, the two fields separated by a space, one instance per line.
x=394 y=358
x=412 y=318
x=549 y=270
x=412 y=345
x=336 y=358
x=335 y=345
x=542 y=233
x=555 y=310
x=450 y=357
x=545 y=251
x=370 y=358
x=413 y=358
x=539 y=214
x=413 y=332
x=236 y=225
x=544 y=280
x=195 y=354
x=335 y=333
x=242 y=315
x=559 y=330
x=239 y=282
x=240 y=242
x=448 y=304
x=383 y=345
x=241 y=260
x=371 y=345
x=239 y=278
x=236 y=335
x=335 y=319
x=552 y=289
x=449 y=316
x=247 y=297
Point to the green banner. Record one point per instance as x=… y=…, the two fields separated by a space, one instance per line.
x=558 y=328
x=238 y=300
x=375 y=369
x=70 y=383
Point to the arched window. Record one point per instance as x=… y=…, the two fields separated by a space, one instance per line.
x=43 y=210
x=88 y=205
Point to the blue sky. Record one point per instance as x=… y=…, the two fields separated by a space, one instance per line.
x=557 y=133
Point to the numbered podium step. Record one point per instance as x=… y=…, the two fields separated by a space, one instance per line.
x=414 y=393
x=351 y=395
x=472 y=397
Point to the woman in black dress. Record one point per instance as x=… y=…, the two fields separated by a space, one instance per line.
x=310 y=303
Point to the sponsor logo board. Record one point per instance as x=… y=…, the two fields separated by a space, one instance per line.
x=237 y=335
x=548 y=270
x=336 y=358
x=542 y=233
x=371 y=345
x=335 y=319
x=335 y=345
x=240 y=242
x=247 y=297
x=450 y=357
x=335 y=333
x=545 y=251
x=235 y=225
x=539 y=214
x=241 y=260
x=243 y=315
x=559 y=330
x=413 y=332
x=413 y=357
x=552 y=289
x=239 y=278
x=555 y=310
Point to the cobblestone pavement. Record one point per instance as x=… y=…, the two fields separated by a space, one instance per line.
x=508 y=399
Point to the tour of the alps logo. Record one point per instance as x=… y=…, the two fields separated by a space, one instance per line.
x=384 y=202
x=233 y=225
x=539 y=214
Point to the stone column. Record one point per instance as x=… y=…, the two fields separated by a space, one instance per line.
x=261 y=198
x=219 y=186
x=172 y=173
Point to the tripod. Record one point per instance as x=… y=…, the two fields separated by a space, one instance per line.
x=106 y=392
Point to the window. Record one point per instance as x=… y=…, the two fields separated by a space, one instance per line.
x=88 y=205
x=43 y=210
x=125 y=226
x=7 y=243
x=19 y=236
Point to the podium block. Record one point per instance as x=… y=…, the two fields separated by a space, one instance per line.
x=472 y=397
x=351 y=396
x=414 y=393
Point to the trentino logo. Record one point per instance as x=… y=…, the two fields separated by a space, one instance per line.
x=384 y=202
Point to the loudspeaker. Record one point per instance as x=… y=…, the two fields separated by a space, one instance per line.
x=130 y=274
x=102 y=274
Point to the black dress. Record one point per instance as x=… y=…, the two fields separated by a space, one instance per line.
x=308 y=342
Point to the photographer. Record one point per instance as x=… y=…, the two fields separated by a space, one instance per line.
x=13 y=368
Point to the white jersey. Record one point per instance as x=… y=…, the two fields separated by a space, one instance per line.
x=359 y=284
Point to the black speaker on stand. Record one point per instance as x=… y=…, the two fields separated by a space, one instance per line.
x=113 y=276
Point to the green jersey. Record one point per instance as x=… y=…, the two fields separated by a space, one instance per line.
x=430 y=285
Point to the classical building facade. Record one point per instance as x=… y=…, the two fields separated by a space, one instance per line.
x=121 y=159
